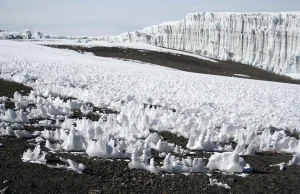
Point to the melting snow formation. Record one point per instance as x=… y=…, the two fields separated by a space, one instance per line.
x=127 y=135
x=211 y=113
x=267 y=40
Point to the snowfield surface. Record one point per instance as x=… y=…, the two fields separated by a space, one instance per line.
x=109 y=82
x=210 y=111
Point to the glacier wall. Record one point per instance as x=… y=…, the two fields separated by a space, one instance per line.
x=267 y=40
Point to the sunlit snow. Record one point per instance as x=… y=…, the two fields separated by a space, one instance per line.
x=210 y=111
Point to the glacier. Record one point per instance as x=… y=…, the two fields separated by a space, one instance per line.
x=266 y=40
x=270 y=41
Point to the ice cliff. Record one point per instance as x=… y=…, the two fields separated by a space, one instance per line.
x=267 y=40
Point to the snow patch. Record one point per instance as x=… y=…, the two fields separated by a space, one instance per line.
x=213 y=182
x=34 y=156
x=227 y=162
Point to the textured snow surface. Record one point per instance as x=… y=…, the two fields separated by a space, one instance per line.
x=267 y=40
x=210 y=111
x=209 y=99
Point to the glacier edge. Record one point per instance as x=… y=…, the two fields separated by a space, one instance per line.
x=266 y=40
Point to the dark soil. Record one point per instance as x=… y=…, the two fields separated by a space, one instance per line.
x=115 y=177
x=183 y=62
x=8 y=88
x=104 y=176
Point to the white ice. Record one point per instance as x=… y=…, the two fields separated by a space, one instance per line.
x=34 y=156
x=266 y=40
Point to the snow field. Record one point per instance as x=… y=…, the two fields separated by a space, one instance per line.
x=210 y=111
x=115 y=83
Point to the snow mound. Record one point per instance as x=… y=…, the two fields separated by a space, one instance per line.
x=34 y=156
x=295 y=160
x=142 y=162
x=188 y=165
x=8 y=131
x=213 y=182
x=14 y=116
x=227 y=162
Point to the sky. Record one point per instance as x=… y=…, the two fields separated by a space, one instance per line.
x=113 y=17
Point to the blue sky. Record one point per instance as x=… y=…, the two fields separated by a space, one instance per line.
x=112 y=17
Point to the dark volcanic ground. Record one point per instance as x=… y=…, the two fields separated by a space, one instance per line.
x=104 y=176
x=183 y=62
